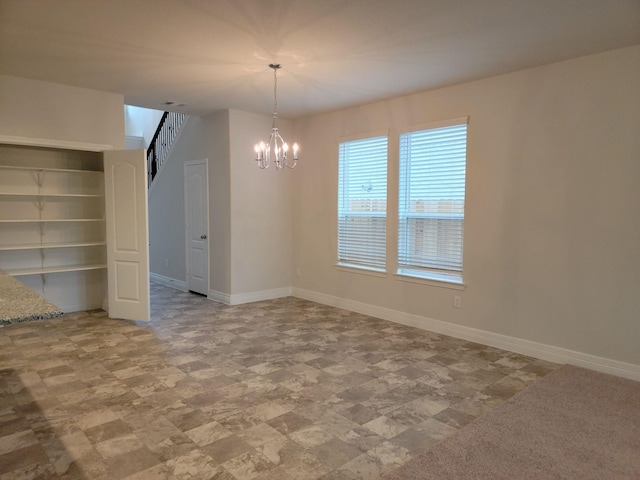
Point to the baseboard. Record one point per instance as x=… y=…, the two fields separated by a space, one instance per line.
x=168 y=282
x=526 y=347
x=220 y=297
x=81 y=307
x=238 y=299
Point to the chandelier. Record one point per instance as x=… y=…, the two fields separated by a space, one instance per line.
x=276 y=146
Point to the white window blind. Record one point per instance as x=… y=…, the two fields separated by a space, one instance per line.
x=431 y=200
x=362 y=203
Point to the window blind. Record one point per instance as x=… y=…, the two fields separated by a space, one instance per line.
x=362 y=203
x=431 y=199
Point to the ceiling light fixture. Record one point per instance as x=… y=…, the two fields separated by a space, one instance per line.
x=276 y=146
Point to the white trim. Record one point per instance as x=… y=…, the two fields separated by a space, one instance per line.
x=526 y=347
x=52 y=143
x=220 y=297
x=168 y=281
x=385 y=132
x=260 y=295
x=436 y=124
x=249 y=297
x=433 y=281
x=360 y=269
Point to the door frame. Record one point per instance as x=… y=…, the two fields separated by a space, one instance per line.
x=187 y=163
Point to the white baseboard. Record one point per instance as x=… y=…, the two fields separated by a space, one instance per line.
x=219 y=297
x=513 y=344
x=168 y=281
x=249 y=297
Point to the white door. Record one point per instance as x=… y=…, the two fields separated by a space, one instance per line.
x=125 y=176
x=196 y=202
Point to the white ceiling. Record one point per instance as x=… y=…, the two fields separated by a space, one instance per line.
x=214 y=54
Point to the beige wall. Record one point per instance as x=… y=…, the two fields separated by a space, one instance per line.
x=552 y=224
x=34 y=109
x=261 y=213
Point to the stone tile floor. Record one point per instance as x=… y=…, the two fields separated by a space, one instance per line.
x=284 y=389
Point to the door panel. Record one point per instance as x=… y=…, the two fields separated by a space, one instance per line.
x=197 y=215
x=125 y=176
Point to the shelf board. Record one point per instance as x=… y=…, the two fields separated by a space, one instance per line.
x=80 y=195
x=62 y=268
x=51 y=220
x=37 y=246
x=41 y=169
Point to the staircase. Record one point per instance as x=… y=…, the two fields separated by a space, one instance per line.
x=162 y=141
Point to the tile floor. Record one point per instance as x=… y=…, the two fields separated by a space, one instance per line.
x=277 y=390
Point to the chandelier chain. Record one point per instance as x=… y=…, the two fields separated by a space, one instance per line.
x=275 y=92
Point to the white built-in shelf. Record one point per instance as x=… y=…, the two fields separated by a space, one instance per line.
x=40 y=169
x=86 y=195
x=17 y=272
x=38 y=246
x=50 y=220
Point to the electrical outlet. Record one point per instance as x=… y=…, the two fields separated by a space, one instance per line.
x=457 y=301
x=166 y=262
x=298 y=274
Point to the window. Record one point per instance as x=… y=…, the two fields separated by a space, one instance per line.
x=362 y=203
x=431 y=202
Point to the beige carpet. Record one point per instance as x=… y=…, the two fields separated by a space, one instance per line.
x=572 y=424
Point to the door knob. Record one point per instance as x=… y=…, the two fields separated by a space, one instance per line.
x=203 y=237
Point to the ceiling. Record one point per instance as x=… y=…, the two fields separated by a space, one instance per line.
x=214 y=54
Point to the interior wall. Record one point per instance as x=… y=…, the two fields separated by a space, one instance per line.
x=551 y=224
x=167 y=215
x=142 y=122
x=261 y=211
x=250 y=212
x=215 y=132
x=43 y=110
x=200 y=138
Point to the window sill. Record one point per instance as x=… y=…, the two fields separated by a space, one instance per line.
x=452 y=282
x=373 y=272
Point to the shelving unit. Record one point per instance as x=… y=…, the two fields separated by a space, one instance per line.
x=52 y=226
x=50 y=245
x=44 y=270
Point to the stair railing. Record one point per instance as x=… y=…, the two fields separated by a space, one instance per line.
x=162 y=141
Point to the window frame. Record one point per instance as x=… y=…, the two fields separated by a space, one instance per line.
x=346 y=264
x=420 y=274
